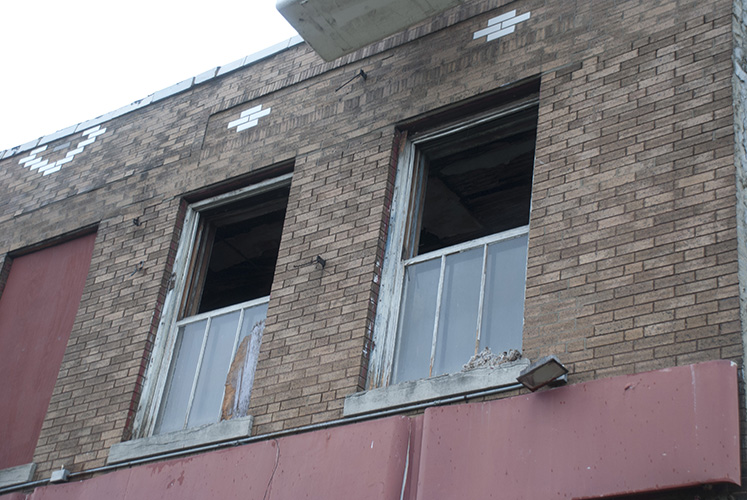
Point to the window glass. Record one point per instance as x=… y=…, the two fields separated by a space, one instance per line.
x=227 y=287
x=465 y=244
x=460 y=302
x=503 y=317
x=416 y=327
x=219 y=347
x=181 y=379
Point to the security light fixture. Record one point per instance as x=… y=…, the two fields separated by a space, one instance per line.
x=542 y=372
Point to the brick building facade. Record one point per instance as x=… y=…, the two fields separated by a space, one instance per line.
x=629 y=218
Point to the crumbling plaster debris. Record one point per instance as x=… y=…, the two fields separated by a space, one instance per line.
x=486 y=358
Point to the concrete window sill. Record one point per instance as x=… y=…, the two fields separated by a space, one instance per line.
x=421 y=391
x=180 y=440
x=17 y=475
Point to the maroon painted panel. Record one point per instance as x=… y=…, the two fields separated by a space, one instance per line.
x=364 y=461
x=667 y=429
x=37 y=311
x=14 y=496
x=671 y=428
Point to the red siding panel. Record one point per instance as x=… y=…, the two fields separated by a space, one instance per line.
x=37 y=311
x=667 y=429
x=364 y=461
x=632 y=434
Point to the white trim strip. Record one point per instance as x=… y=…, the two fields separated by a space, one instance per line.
x=223 y=310
x=469 y=245
x=250 y=111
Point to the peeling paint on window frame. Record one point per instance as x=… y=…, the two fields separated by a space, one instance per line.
x=163 y=350
x=403 y=213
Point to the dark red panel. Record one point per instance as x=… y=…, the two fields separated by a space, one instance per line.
x=666 y=429
x=14 y=496
x=37 y=311
x=660 y=430
x=364 y=461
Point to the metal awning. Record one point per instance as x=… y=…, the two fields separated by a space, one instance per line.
x=334 y=28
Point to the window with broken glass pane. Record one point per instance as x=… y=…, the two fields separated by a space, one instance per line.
x=230 y=249
x=462 y=243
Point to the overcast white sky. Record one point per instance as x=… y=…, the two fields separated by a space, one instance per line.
x=67 y=61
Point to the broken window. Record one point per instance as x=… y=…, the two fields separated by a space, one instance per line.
x=224 y=270
x=456 y=263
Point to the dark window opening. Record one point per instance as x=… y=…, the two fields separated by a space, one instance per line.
x=236 y=257
x=478 y=181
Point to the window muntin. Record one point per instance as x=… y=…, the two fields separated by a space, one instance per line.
x=459 y=301
x=457 y=284
x=205 y=346
x=222 y=278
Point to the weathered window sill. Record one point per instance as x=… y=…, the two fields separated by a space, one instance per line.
x=17 y=475
x=226 y=430
x=421 y=391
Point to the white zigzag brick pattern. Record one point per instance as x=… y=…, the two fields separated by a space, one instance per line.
x=501 y=26
x=37 y=162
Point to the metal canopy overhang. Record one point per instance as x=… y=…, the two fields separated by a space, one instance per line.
x=334 y=28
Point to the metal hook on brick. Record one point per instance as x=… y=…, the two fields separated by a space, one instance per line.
x=317 y=260
x=359 y=74
x=137 y=268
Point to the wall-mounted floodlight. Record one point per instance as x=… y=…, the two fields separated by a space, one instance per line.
x=542 y=372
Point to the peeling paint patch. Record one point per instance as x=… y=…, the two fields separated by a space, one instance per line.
x=486 y=358
x=240 y=376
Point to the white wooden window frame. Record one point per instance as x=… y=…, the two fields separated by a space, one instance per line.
x=209 y=315
x=381 y=362
x=441 y=254
x=162 y=356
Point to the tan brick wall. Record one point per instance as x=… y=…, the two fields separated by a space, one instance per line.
x=98 y=382
x=632 y=246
